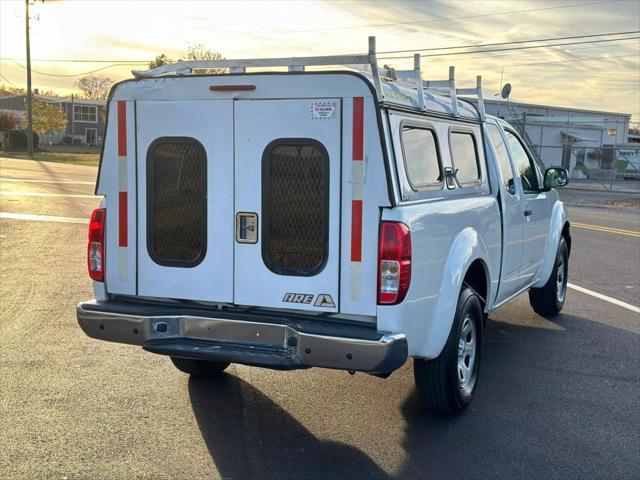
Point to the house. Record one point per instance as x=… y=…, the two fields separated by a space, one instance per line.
x=85 y=118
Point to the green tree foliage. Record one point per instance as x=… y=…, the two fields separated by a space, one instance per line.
x=48 y=118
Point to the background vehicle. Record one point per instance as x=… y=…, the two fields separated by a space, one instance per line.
x=330 y=219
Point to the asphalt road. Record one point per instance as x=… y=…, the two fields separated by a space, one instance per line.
x=556 y=399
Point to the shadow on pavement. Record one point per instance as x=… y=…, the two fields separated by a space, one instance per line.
x=249 y=436
x=551 y=403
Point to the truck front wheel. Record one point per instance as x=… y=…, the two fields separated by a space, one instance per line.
x=547 y=301
x=201 y=368
x=446 y=384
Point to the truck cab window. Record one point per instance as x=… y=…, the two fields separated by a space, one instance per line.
x=421 y=158
x=502 y=156
x=464 y=157
x=523 y=163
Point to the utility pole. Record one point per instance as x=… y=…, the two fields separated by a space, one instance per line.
x=29 y=105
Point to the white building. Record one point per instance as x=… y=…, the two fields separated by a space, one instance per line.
x=581 y=140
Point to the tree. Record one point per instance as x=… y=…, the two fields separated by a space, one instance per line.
x=194 y=52
x=199 y=52
x=94 y=86
x=48 y=118
x=160 y=60
x=8 y=121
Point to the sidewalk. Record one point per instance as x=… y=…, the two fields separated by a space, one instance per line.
x=594 y=198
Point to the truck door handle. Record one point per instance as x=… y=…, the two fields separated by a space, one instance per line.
x=528 y=213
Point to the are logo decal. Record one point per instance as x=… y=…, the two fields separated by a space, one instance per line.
x=323 y=300
x=305 y=298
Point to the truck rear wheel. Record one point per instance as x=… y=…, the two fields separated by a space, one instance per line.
x=549 y=300
x=446 y=384
x=201 y=368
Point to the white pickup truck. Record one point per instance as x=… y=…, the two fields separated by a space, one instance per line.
x=317 y=219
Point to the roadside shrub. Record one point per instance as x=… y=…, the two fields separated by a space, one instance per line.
x=18 y=139
x=8 y=121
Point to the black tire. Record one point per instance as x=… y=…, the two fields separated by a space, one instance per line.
x=200 y=368
x=549 y=300
x=437 y=380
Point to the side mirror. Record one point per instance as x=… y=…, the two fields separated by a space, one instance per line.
x=555 y=177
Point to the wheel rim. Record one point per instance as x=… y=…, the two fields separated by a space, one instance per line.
x=561 y=280
x=467 y=352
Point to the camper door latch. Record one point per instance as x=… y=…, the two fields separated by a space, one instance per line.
x=246 y=227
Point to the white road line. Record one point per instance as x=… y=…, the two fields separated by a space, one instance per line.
x=43 y=194
x=604 y=297
x=42 y=218
x=24 y=180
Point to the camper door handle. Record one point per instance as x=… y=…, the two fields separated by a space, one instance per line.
x=247 y=227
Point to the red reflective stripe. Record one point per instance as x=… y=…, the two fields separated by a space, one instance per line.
x=358 y=155
x=122 y=219
x=358 y=130
x=122 y=128
x=356 y=230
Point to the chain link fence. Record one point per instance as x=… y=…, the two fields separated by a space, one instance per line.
x=596 y=168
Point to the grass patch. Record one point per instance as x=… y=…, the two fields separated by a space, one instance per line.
x=91 y=159
x=71 y=148
x=626 y=202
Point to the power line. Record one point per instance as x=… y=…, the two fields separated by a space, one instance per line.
x=572 y=61
x=8 y=81
x=414 y=22
x=77 y=60
x=470 y=52
x=511 y=43
x=386 y=52
x=515 y=42
x=136 y=62
x=510 y=49
x=75 y=74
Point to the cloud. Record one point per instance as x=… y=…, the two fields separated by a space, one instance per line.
x=132 y=30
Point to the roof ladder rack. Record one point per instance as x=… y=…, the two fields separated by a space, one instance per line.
x=416 y=76
x=298 y=64
x=477 y=92
x=294 y=64
x=448 y=86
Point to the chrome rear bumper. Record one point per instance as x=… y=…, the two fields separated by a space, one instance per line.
x=254 y=341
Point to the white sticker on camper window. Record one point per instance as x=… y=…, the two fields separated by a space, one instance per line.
x=322 y=110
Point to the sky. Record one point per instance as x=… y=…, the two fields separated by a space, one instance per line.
x=602 y=76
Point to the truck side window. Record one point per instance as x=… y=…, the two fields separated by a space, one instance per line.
x=421 y=158
x=502 y=156
x=176 y=199
x=464 y=157
x=523 y=162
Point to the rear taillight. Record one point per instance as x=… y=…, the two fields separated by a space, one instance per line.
x=394 y=263
x=95 y=248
